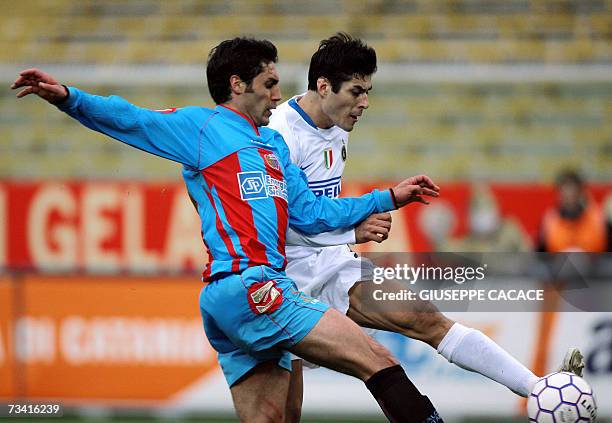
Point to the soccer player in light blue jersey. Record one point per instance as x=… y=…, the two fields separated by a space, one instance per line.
x=247 y=192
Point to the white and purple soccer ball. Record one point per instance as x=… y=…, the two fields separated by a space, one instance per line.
x=561 y=397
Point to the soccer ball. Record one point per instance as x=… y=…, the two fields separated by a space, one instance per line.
x=561 y=397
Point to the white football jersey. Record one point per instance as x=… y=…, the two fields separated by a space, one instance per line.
x=321 y=154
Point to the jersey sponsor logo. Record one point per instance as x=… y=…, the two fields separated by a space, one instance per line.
x=252 y=185
x=276 y=188
x=332 y=191
x=272 y=161
x=264 y=297
x=328 y=157
x=255 y=186
x=328 y=187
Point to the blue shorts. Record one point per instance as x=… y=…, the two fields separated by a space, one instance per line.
x=254 y=317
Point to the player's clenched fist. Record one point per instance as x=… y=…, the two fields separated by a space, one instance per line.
x=40 y=83
x=413 y=189
x=375 y=228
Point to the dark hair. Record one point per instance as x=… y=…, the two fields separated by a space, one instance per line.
x=569 y=176
x=339 y=59
x=240 y=56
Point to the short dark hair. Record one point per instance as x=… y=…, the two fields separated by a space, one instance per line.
x=339 y=59
x=240 y=56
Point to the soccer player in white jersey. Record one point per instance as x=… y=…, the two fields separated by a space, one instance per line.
x=315 y=126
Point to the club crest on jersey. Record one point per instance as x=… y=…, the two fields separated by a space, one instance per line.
x=343 y=153
x=272 y=161
x=264 y=297
x=328 y=158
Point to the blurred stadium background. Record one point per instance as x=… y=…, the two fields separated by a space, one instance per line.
x=99 y=248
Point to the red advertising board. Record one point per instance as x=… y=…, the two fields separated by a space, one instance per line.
x=152 y=227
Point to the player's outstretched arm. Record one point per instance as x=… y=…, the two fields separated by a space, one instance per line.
x=311 y=214
x=375 y=228
x=170 y=135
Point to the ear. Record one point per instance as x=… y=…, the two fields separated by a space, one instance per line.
x=323 y=86
x=237 y=85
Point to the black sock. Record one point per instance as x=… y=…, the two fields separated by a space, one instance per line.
x=399 y=399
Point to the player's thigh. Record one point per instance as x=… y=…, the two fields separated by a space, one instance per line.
x=336 y=342
x=261 y=395
x=416 y=319
x=293 y=408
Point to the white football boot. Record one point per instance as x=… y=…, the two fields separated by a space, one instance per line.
x=573 y=362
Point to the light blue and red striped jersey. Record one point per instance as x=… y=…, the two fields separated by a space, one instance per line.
x=241 y=177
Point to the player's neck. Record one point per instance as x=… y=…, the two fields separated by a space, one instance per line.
x=311 y=104
x=239 y=108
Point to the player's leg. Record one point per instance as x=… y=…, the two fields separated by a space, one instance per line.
x=293 y=408
x=258 y=380
x=466 y=347
x=259 y=387
x=419 y=320
x=338 y=343
x=260 y=395
x=268 y=315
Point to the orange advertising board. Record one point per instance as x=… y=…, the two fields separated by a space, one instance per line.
x=7 y=368
x=108 y=338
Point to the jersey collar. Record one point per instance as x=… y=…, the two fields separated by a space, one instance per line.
x=236 y=115
x=293 y=103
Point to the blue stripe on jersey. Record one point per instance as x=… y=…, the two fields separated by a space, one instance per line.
x=329 y=184
x=229 y=230
x=302 y=113
x=325 y=181
x=197 y=189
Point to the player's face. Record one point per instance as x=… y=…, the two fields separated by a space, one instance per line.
x=345 y=107
x=262 y=95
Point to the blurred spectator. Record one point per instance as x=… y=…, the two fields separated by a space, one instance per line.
x=488 y=230
x=576 y=223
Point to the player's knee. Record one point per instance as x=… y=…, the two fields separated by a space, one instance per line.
x=268 y=415
x=383 y=357
x=264 y=410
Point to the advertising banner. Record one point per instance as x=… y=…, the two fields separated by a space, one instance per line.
x=153 y=227
x=97 y=338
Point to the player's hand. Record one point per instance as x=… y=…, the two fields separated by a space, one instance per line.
x=413 y=189
x=375 y=228
x=40 y=83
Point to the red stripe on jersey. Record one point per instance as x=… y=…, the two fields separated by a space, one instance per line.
x=273 y=169
x=238 y=212
x=244 y=116
x=226 y=240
